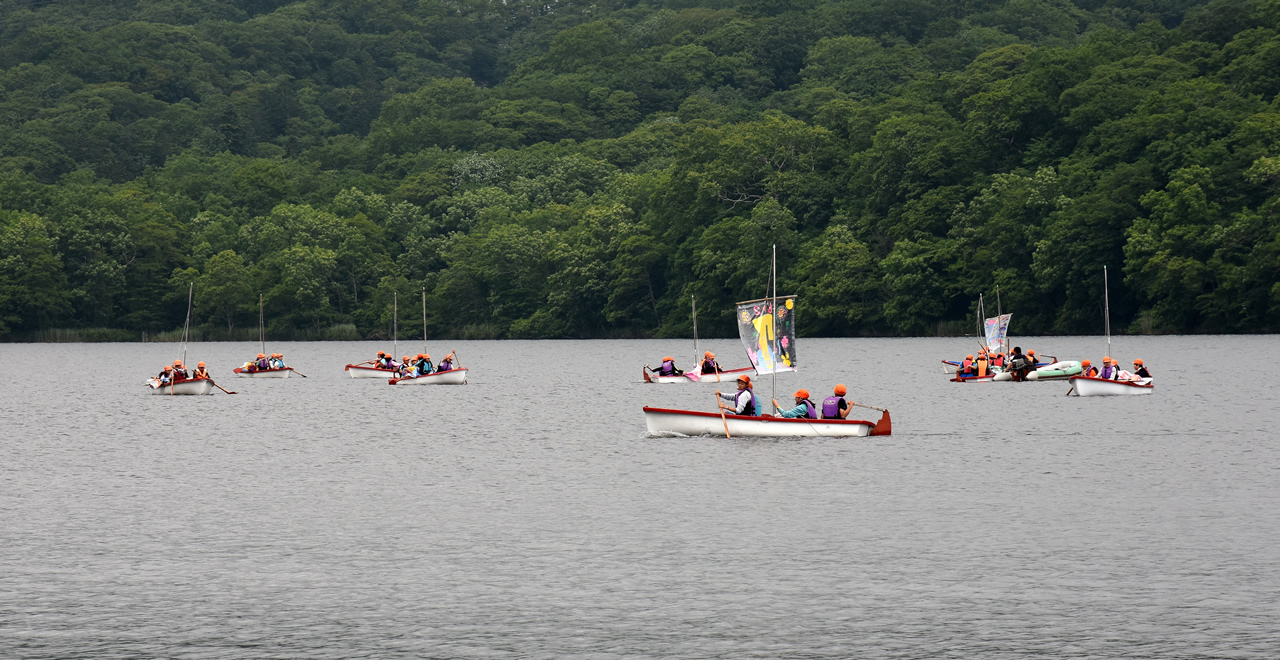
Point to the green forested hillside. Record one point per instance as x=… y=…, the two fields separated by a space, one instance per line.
x=575 y=169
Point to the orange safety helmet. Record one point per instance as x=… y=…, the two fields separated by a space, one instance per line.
x=404 y=359
x=1031 y=352
x=262 y=355
x=177 y=363
x=802 y=393
x=200 y=364
x=969 y=356
x=840 y=389
x=426 y=355
x=1085 y=363
x=709 y=354
x=745 y=379
x=1106 y=359
x=380 y=353
x=1138 y=362
x=668 y=358
x=168 y=368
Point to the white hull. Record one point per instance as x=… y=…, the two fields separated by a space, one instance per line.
x=186 y=387
x=451 y=377
x=1100 y=387
x=663 y=421
x=357 y=371
x=1056 y=371
x=268 y=373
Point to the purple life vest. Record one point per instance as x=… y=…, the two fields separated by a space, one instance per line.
x=264 y=364
x=831 y=407
x=1108 y=373
x=710 y=367
x=668 y=368
x=445 y=365
x=809 y=411
x=752 y=407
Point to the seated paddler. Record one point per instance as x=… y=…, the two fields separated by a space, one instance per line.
x=742 y=402
x=424 y=364
x=804 y=407
x=709 y=364
x=668 y=368
x=446 y=363
x=200 y=372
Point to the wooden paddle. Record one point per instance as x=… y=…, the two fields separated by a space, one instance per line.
x=1073 y=388
x=863 y=405
x=299 y=373
x=722 y=417
x=220 y=387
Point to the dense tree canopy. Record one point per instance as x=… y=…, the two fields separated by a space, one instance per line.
x=573 y=169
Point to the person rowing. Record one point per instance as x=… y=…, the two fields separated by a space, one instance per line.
x=667 y=368
x=199 y=373
x=179 y=373
x=1140 y=370
x=1110 y=370
x=804 y=407
x=165 y=375
x=835 y=407
x=709 y=364
x=1088 y=370
x=743 y=401
x=446 y=363
x=276 y=361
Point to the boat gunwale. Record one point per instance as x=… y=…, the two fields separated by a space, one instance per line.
x=771 y=418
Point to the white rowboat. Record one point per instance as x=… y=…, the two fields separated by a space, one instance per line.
x=187 y=387
x=665 y=421
x=1085 y=386
x=362 y=371
x=451 y=377
x=263 y=373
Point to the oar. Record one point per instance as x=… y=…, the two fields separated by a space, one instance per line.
x=1073 y=388
x=456 y=358
x=722 y=417
x=220 y=387
x=298 y=372
x=863 y=405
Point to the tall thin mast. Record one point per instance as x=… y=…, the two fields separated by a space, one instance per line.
x=693 y=306
x=1106 y=298
x=773 y=323
x=395 y=324
x=262 y=334
x=424 y=319
x=186 y=328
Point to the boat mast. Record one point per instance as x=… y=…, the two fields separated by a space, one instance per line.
x=1106 y=301
x=395 y=324
x=693 y=305
x=1000 y=313
x=262 y=334
x=424 y=319
x=186 y=328
x=773 y=323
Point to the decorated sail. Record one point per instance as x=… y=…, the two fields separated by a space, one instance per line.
x=997 y=327
x=770 y=339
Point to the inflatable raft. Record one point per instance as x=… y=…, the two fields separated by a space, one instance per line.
x=1056 y=371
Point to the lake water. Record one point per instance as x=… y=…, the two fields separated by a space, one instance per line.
x=529 y=515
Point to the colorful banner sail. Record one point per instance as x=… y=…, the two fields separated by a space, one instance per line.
x=997 y=327
x=770 y=340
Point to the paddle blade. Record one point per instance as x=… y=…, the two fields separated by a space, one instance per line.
x=884 y=426
x=645 y=372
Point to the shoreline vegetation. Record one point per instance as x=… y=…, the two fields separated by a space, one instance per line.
x=582 y=170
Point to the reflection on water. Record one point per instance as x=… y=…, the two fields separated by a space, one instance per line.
x=528 y=515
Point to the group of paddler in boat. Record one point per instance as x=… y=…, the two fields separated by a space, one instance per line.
x=1111 y=370
x=1017 y=364
x=264 y=363
x=176 y=373
x=707 y=366
x=744 y=402
x=411 y=367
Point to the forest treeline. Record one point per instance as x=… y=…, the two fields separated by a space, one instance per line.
x=582 y=169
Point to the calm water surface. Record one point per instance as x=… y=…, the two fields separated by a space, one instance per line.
x=528 y=515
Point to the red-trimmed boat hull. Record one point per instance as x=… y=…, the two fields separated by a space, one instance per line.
x=662 y=421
